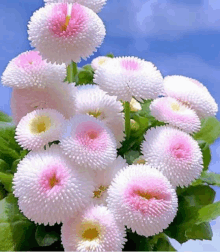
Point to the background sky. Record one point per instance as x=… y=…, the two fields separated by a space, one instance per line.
x=179 y=37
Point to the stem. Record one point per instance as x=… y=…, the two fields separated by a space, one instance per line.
x=127 y=120
x=71 y=72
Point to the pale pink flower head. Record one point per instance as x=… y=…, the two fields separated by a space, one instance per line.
x=95 y=5
x=192 y=93
x=99 y=61
x=143 y=199
x=95 y=229
x=29 y=69
x=65 y=32
x=125 y=77
x=175 y=153
x=59 y=97
x=88 y=142
x=170 y=110
x=49 y=188
x=38 y=128
x=91 y=100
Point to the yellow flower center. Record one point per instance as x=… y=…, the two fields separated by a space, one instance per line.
x=64 y=27
x=95 y=114
x=102 y=61
x=98 y=193
x=53 y=181
x=90 y=231
x=175 y=106
x=40 y=124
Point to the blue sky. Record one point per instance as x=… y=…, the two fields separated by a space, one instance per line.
x=179 y=37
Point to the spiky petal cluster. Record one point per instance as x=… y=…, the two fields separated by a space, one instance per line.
x=99 y=61
x=129 y=76
x=65 y=32
x=192 y=93
x=103 y=179
x=49 y=188
x=143 y=199
x=89 y=143
x=38 y=128
x=170 y=110
x=94 y=230
x=60 y=96
x=95 y=5
x=29 y=69
x=91 y=100
x=175 y=153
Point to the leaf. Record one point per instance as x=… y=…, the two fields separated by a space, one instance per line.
x=201 y=231
x=6 y=180
x=45 y=236
x=85 y=77
x=88 y=68
x=4 y=167
x=210 y=178
x=131 y=156
x=208 y=213
x=72 y=72
x=209 y=131
x=110 y=55
x=206 y=154
x=4 y=117
x=14 y=165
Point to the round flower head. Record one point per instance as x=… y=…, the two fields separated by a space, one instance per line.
x=192 y=93
x=65 y=32
x=169 y=110
x=175 y=153
x=91 y=100
x=89 y=143
x=103 y=179
x=29 y=69
x=99 y=61
x=95 y=5
x=143 y=199
x=59 y=96
x=38 y=128
x=129 y=76
x=49 y=188
x=93 y=230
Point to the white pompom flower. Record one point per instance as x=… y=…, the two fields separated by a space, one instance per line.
x=38 y=128
x=103 y=179
x=95 y=5
x=125 y=77
x=91 y=100
x=143 y=199
x=65 y=32
x=88 y=142
x=49 y=188
x=94 y=230
x=99 y=61
x=170 y=110
x=175 y=153
x=192 y=93
x=60 y=96
x=29 y=69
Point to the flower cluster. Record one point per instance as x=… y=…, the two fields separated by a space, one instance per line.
x=73 y=173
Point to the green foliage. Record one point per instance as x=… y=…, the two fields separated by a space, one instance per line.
x=46 y=236
x=4 y=117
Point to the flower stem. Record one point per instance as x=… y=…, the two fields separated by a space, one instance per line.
x=71 y=72
x=127 y=119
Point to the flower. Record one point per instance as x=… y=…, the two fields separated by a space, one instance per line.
x=175 y=153
x=59 y=96
x=65 y=32
x=134 y=105
x=192 y=93
x=143 y=199
x=99 y=61
x=91 y=100
x=49 y=188
x=93 y=230
x=103 y=179
x=95 y=5
x=39 y=127
x=129 y=76
x=170 y=110
x=28 y=69
x=89 y=143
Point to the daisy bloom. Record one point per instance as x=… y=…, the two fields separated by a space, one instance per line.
x=103 y=179
x=65 y=32
x=29 y=69
x=49 y=188
x=99 y=61
x=93 y=230
x=95 y=5
x=175 y=153
x=129 y=76
x=91 y=100
x=38 y=128
x=59 y=97
x=143 y=199
x=88 y=142
x=192 y=93
x=170 y=110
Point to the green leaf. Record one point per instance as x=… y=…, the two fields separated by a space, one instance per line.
x=110 y=55
x=14 y=165
x=4 y=167
x=208 y=213
x=72 y=72
x=210 y=178
x=131 y=155
x=45 y=236
x=210 y=130
x=206 y=154
x=4 y=117
x=88 y=68
x=6 y=180
x=85 y=77
x=201 y=231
